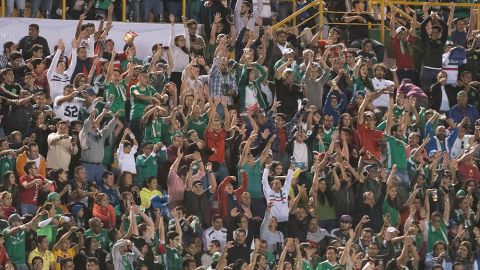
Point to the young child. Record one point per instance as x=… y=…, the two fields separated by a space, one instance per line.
x=78 y=215
x=126 y=152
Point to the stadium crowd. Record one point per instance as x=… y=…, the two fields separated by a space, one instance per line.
x=249 y=147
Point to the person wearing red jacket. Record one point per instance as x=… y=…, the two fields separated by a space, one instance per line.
x=227 y=196
x=104 y=211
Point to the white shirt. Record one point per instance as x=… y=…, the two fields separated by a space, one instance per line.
x=250 y=96
x=58 y=81
x=89 y=43
x=68 y=110
x=451 y=70
x=300 y=152
x=445 y=105
x=457 y=150
x=384 y=99
x=127 y=161
x=212 y=234
x=280 y=199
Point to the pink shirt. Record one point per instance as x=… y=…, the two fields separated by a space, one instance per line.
x=176 y=187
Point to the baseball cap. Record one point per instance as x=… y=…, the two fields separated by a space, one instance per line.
x=346 y=219
x=400 y=29
x=371 y=167
x=391 y=229
x=13 y=218
x=449 y=43
x=369 y=114
x=196 y=182
x=461 y=93
x=53 y=196
x=155 y=202
x=287 y=51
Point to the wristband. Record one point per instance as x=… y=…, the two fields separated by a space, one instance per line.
x=132 y=136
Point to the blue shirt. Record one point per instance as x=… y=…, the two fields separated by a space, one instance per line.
x=328 y=109
x=457 y=113
x=434 y=143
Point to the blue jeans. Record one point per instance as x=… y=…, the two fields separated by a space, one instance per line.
x=28 y=209
x=20 y=6
x=428 y=77
x=94 y=172
x=221 y=173
x=194 y=9
x=284 y=9
x=46 y=5
x=133 y=11
x=258 y=207
x=175 y=8
x=404 y=180
x=155 y=6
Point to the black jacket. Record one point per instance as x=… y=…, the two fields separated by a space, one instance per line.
x=433 y=49
x=435 y=95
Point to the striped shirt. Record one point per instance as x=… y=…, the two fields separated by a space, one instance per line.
x=58 y=81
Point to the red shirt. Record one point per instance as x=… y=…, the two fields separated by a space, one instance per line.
x=405 y=60
x=217 y=141
x=369 y=139
x=469 y=172
x=29 y=195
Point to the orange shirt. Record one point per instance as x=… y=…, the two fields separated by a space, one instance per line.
x=369 y=139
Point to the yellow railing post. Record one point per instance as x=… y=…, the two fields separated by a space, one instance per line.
x=124 y=10
x=64 y=9
x=320 y=20
x=478 y=17
x=184 y=7
x=3 y=8
x=294 y=9
x=290 y=17
x=382 y=16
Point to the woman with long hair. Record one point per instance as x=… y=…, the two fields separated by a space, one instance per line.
x=104 y=211
x=324 y=202
x=91 y=249
x=150 y=189
x=60 y=178
x=125 y=183
x=9 y=184
x=180 y=50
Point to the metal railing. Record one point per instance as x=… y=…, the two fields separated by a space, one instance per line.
x=124 y=9
x=382 y=4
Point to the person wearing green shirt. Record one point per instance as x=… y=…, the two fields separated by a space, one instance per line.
x=331 y=260
x=115 y=87
x=249 y=87
x=435 y=226
x=154 y=122
x=141 y=95
x=253 y=167
x=15 y=238
x=147 y=163
x=98 y=232
x=7 y=160
x=198 y=121
x=173 y=257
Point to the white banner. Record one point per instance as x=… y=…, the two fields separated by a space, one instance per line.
x=13 y=29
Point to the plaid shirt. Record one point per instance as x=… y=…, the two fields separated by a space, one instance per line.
x=3 y=60
x=220 y=84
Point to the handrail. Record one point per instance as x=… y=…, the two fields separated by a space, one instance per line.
x=64 y=9
x=3 y=8
x=124 y=10
x=296 y=13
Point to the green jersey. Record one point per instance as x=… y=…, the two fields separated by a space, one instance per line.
x=7 y=164
x=148 y=166
x=174 y=260
x=254 y=173
x=199 y=125
x=325 y=265
x=138 y=106
x=102 y=238
x=15 y=245
x=396 y=153
x=118 y=91
x=154 y=130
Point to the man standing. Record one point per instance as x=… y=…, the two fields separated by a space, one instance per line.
x=26 y=43
x=92 y=141
x=32 y=183
x=61 y=147
x=32 y=154
x=15 y=238
x=58 y=77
